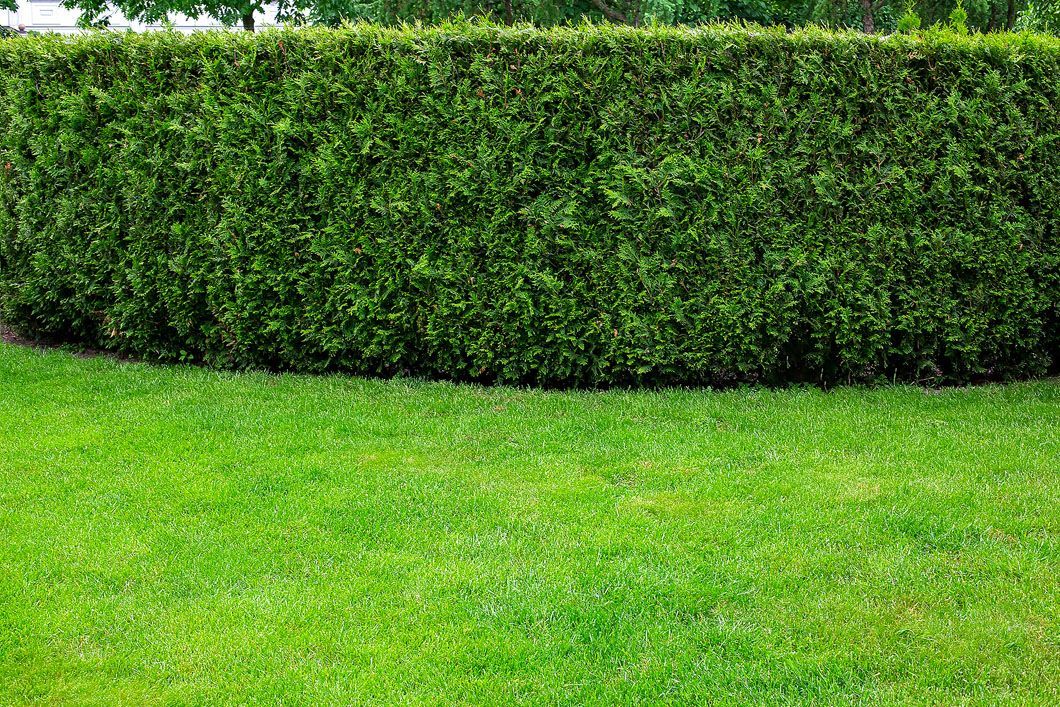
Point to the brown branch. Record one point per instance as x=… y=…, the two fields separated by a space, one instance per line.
x=609 y=12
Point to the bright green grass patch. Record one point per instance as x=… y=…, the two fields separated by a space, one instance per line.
x=181 y=535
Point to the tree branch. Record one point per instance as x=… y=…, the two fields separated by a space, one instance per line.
x=609 y=12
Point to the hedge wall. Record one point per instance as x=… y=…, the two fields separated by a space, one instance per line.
x=574 y=206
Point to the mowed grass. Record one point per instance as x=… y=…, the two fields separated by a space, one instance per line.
x=177 y=535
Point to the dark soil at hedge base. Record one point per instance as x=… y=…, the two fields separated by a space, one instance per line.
x=13 y=338
x=588 y=206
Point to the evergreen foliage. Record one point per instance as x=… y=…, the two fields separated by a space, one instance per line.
x=572 y=206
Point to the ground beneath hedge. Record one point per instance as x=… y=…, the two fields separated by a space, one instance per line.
x=180 y=535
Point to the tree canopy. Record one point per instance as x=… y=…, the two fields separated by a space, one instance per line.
x=227 y=12
x=868 y=15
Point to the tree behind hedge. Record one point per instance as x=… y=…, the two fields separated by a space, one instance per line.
x=869 y=15
x=97 y=13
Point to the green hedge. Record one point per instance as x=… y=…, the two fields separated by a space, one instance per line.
x=574 y=206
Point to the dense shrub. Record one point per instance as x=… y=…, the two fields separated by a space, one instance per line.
x=574 y=206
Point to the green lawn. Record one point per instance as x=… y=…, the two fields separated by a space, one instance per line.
x=177 y=535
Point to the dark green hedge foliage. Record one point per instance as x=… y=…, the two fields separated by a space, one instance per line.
x=574 y=206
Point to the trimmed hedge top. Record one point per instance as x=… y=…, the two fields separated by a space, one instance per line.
x=574 y=206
